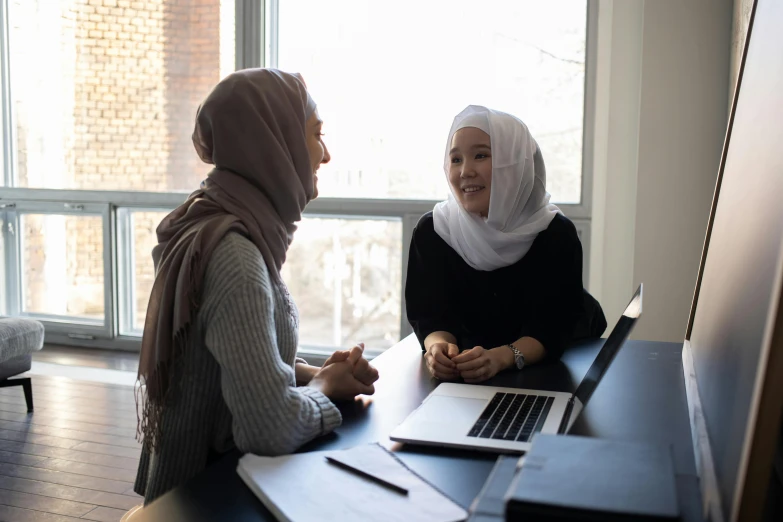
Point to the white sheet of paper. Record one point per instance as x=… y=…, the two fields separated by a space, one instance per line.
x=305 y=487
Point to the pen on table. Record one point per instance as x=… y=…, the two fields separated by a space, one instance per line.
x=378 y=480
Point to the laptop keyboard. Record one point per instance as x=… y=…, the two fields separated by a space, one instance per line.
x=512 y=417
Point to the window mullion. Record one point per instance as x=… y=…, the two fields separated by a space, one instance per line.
x=12 y=247
x=272 y=36
x=110 y=271
x=6 y=129
x=249 y=33
x=409 y=222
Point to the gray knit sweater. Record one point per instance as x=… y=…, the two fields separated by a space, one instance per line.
x=235 y=382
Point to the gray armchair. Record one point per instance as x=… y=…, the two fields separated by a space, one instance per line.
x=19 y=338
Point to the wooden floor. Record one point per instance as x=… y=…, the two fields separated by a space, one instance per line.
x=89 y=357
x=74 y=458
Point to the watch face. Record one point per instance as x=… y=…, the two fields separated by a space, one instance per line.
x=520 y=362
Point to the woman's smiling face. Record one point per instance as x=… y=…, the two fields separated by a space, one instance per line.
x=470 y=169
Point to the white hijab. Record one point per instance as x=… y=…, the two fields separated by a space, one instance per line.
x=519 y=205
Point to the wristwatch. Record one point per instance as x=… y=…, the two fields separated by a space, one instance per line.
x=519 y=359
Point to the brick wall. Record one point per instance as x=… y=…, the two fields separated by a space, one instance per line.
x=136 y=71
x=120 y=110
x=192 y=64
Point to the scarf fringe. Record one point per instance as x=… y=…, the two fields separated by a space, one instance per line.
x=149 y=417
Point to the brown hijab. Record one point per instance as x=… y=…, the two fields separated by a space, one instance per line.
x=251 y=128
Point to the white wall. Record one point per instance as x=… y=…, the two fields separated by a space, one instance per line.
x=658 y=142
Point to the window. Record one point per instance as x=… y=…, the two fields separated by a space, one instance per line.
x=55 y=264
x=137 y=271
x=389 y=77
x=3 y=266
x=345 y=276
x=62 y=263
x=104 y=93
x=97 y=144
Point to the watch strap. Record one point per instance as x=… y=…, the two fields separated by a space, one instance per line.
x=519 y=359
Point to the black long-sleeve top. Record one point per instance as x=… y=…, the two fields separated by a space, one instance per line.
x=540 y=296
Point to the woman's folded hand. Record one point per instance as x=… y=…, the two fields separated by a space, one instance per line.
x=346 y=374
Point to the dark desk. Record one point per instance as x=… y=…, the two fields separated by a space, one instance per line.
x=642 y=397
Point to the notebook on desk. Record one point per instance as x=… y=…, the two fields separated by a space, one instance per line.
x=307 y=487
x=568 y=478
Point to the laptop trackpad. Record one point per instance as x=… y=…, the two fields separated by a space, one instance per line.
x=442 y=409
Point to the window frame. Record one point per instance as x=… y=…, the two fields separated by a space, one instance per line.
x=14 y=245
x=255 y=37
x=125 y=255
x=6 y=123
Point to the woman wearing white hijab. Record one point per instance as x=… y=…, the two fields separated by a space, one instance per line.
x=495 y=272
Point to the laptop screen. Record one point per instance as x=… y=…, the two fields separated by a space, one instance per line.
x=612 y=345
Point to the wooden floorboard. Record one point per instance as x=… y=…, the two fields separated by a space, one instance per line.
x=35 y=438
x=20 y=459
x=86 y=496
x=70 y=401
x=74 y=457
x=10 y=513
x=104 y=449
x=82 y=400
x=83 y=407
x=103 y=514
x=50 y=505
x=45 y=419
x=75 y=384
x=91 y=470
x=122 y=395
x=125 y=441
x=40 y=453
x=55 y=380
x=64 y=478
x=128 y=421
x=89 y=398
x=91 y=357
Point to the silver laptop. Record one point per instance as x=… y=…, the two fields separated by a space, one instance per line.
x=504 y=420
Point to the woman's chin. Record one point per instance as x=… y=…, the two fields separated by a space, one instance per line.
x=472 y=208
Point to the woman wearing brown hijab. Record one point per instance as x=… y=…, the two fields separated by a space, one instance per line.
x=218 y=366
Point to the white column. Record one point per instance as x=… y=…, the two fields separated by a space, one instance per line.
x=682 y=126
x=660 y=122
x=618 y=92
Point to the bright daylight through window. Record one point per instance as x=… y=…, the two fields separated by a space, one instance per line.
x=113 y=111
